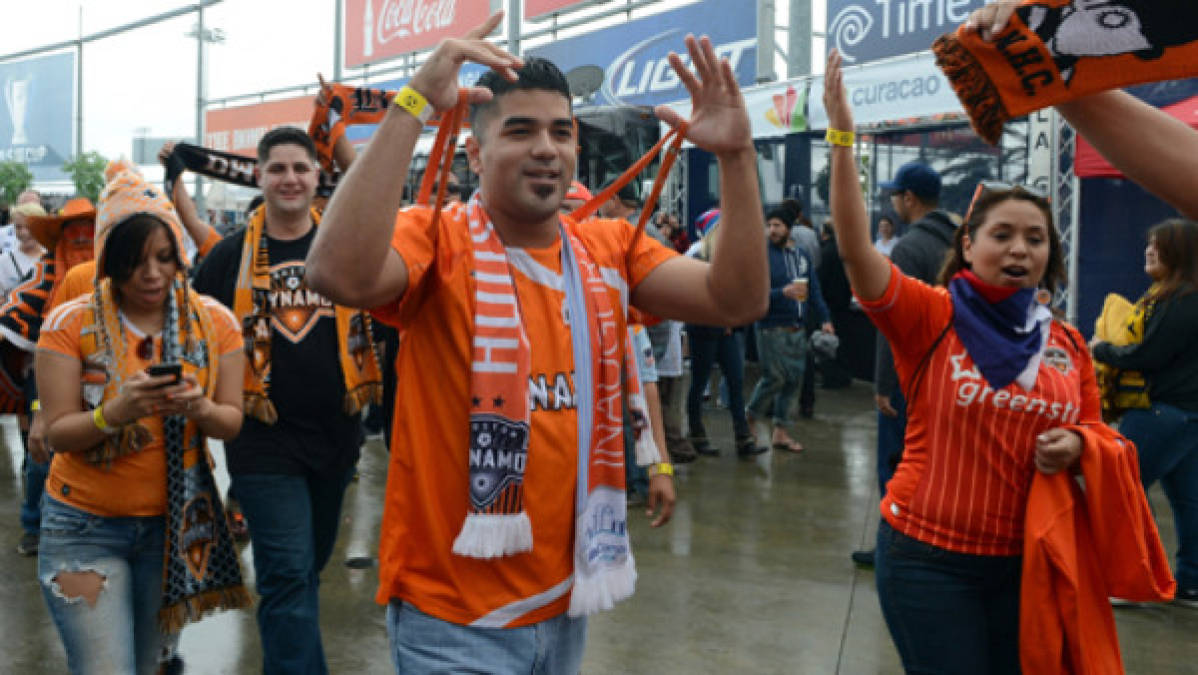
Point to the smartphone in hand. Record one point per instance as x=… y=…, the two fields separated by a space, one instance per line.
x=160 y=369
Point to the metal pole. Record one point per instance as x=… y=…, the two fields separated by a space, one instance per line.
x=765 y=41
x=513 y=27
x=199 y=196
x=798 y=43
x=79 y=91
x=337 y=37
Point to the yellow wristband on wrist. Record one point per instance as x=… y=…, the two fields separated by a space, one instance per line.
x=415 y=103
x=661 y=469
x=101 y=423
x=35 y=405
x=842 y=138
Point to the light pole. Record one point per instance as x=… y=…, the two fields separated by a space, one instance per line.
x=203 y=36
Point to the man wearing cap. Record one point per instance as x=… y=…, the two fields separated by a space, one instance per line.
x=915 y=196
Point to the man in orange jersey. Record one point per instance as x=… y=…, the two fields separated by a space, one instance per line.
x=505 y=517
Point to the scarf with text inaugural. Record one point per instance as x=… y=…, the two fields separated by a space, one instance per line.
x=1054 y=51
x=251 y=305
x=226 y=167
x=1004 y=329
x=201 y=568
x=496 y=522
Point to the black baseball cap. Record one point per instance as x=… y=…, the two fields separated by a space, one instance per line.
x=919 y=178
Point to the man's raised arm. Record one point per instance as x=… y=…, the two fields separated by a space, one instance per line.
x=351 y=261
x=732 y=289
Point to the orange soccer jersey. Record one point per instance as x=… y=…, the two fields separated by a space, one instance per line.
x=134 y=485
x=967 y=460
x=427 y=490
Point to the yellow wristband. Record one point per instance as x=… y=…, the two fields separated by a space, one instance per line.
x=35 y=405
x=415 y=103
x=661 y=469
x=101 y=423
x=841 y=138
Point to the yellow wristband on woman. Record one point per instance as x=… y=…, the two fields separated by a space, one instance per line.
x=844 y=139
x=415 y=103
x=661 y=469
x=35 y=405
x=101 y=423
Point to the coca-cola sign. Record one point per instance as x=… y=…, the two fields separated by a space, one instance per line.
x=376 y=30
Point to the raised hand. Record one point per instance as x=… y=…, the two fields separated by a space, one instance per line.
x=836 y=99
x=991 y=19
x=437 y=78
x=719 y=122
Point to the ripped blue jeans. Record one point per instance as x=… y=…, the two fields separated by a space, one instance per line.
x=118 y=632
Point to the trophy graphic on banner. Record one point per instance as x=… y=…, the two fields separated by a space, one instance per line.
x=16 y=97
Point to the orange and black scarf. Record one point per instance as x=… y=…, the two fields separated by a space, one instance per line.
x=251 y=305
x=201 y=567
x=226 y=167
x=1054 y=51
x=344 y=106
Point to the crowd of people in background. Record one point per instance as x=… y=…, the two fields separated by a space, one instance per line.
x=145 y=331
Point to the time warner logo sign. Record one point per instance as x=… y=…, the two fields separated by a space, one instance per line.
x=866 y=30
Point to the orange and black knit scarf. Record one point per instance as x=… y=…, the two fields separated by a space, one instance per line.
x=251 y=305
x=344 y=106
x=1055 y=51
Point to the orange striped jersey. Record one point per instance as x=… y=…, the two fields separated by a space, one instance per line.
x=427 y=482
x=968 y=455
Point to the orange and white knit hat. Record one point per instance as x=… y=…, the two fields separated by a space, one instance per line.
x=125 y=195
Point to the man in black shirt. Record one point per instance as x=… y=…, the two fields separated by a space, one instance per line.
x=289 y=475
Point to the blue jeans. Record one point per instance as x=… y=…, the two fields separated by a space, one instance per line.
x=948 y=612
x=1167 y=441
x=293 y=526
x=119 y=633
x=708 y=346
x=891 y=433
x=35 y=486
x=424 y=644
x=782 y=354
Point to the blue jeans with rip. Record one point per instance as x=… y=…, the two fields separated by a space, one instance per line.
x=708 y=346
x=118 y=633
x=948 y=612
x=293 y=527
x=425 y=644
x=782 y=354
x=1166 y=439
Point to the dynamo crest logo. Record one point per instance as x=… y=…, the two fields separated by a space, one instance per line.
x=848 y=29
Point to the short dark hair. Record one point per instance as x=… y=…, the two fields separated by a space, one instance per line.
x=1056 y=275
x=795 y=206
x=285 y=136
x=125 y=248
x=782 y=214
x=537 y=74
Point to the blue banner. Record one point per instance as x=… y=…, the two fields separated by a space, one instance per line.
x=37 y=104
x=632 y=56
x=866 y=30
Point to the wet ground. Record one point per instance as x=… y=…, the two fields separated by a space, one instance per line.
x=752 y=575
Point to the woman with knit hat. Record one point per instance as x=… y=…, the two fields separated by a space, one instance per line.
x=133 y=378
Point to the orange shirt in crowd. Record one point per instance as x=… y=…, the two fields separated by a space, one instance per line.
x=426 y=495
x=968 y=455
x=134 y=485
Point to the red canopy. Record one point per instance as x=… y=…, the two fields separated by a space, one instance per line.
x=1090 y=164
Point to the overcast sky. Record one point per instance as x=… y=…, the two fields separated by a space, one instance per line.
x=143 y=82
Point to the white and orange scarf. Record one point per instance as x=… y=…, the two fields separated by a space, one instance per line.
x=496 y=522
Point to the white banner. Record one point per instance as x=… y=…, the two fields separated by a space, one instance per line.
x=904 y=88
